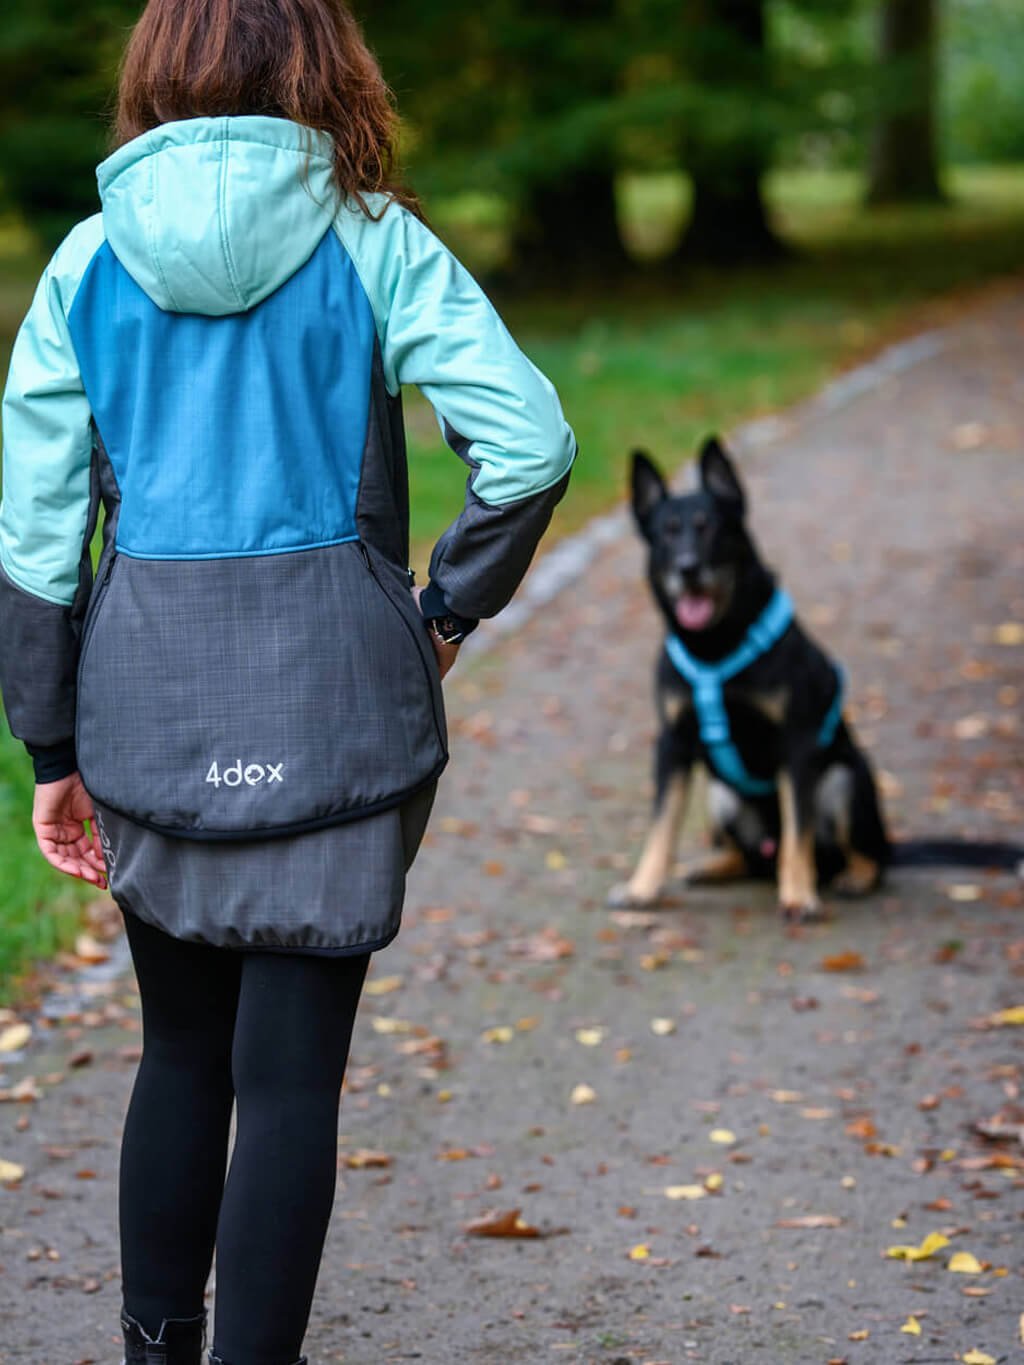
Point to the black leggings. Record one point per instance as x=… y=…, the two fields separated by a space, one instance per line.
x=270 y=1031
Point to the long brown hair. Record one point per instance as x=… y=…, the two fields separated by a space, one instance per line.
x=304 y=60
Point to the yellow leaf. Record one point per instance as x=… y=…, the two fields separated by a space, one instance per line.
x=501 y=1034
x=1013 y=1015
x=978 y=1358
x=964 y=891
x=640 y=1252
x=685 y=1192
x=590 y=1037
x=10 y=1170
x=382 y=985
x=650 y=962
x=1009 y=633
x=912 y=1327
x=556 y=860
x=714 y=1182
x=583 y=1094
x=14 y=1037
x=528 y=1022
x=661 y=1028
x=932 y=1243
x=391 y=1026
x=725 y=1137
x=861 y=1335
x=963 y=1263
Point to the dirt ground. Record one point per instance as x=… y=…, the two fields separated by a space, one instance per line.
x=806 y=1119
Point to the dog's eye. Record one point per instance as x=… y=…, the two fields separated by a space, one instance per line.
x=672 y=524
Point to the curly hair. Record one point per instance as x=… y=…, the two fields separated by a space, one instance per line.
x=304 y=60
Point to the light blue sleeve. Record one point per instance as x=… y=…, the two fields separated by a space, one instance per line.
x=48 y=507
x=438 y=330
x=47 y=435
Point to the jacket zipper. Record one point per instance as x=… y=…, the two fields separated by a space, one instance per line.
x=96 y=604
x=409 y=631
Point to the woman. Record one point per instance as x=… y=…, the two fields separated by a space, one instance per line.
x=246 y=702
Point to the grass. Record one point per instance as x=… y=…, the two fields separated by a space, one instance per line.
x=657 y=363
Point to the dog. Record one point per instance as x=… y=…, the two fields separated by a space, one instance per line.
x=744 y=690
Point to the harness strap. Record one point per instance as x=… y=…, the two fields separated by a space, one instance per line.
x=708 y=683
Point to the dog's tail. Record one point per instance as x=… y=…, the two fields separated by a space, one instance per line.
x=994 y=856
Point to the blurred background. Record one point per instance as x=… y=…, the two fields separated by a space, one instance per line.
x=690 y=212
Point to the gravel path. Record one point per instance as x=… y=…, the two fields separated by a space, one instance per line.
x=821 y=1116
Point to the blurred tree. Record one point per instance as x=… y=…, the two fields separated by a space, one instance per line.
x=526 y=108
x=57 y=75
x=727 y=146
x=904 y=166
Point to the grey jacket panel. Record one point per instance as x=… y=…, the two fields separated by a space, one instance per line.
x=39 y=649
x=235 y=697
x=480 y=560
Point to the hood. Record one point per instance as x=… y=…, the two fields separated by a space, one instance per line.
x=210 y=215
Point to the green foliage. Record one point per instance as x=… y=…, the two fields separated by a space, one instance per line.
x=983 y=95
x=57 y=76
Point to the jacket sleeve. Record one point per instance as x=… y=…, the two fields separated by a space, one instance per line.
x=438 y=330
x=47 y=517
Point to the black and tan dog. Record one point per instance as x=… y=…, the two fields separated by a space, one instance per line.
x=744 y=690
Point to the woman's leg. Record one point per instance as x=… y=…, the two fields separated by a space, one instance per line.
x=292 y=1035
x=174 y=1149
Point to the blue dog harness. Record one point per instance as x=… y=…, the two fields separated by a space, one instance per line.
x=708 y=680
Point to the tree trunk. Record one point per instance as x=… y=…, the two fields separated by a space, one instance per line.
x=903 y=165
x=567 y=225
x=729 y=223
x=568 y=229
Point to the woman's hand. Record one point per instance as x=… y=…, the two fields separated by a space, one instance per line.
x=446 y=654
x=59 y=813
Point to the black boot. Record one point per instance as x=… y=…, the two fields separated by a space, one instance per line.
x=180 y=1341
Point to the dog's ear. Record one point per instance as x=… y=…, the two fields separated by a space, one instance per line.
x=719 y=478
x=648 y=487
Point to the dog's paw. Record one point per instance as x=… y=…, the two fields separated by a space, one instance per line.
x=860 y=877
x=625 y=896
x=809 y=911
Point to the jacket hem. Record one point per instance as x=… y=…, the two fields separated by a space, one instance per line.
x=305 y=950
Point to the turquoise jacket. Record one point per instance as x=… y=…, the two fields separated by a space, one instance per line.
x=217 y=359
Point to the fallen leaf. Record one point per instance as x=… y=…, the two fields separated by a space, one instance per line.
x=88 y=950
x=912 y=1327
x=641 y=1252
x=685 y=1192
x=10 y=1171
x=382 y=985
x=963 y=1263
x=1012 y=1016
x=499 y=1034
x=978 y=1358
x=502 y=1224
x=661 y=1028
x=811 y=1220
x=365 y=1158
x=934 y=1242
x=590 y=1037
x=583 y=1094
x=14 y=1038
x=1009 y=633
x=861 y=1335
x=714 y=1182
x=391 y=1025
x=555 y=860
x=848 y=961
x=861 y=1128
x=725 y=1137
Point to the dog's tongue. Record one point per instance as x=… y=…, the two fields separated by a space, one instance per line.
x=694 y=611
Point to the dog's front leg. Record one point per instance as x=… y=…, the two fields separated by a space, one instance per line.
x=672 y=780
x=798 y=877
